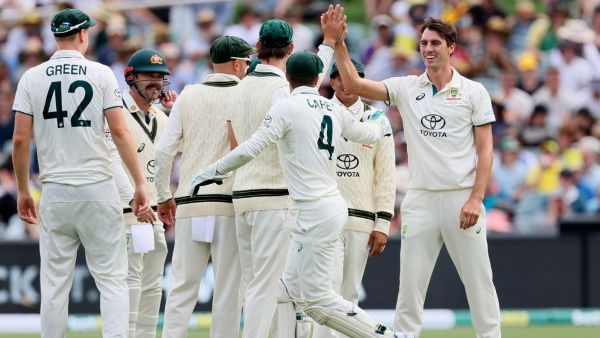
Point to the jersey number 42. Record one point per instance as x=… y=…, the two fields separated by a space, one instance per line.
x=59 y=114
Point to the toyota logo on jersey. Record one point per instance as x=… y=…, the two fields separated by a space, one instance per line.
x=433 y=122
x=347 y=161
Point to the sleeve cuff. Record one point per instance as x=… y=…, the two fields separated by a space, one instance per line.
x=164 y=198
x=382 y=226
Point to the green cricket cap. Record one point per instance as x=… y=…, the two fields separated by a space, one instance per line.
x=275 y=33
x=226 y=48
x=359 y=68
x=304 y=64
x=70 y=21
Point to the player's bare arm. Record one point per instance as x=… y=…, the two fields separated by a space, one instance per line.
x=472 y=209
x=20 y=156
x=122 y=139
x=363 y=87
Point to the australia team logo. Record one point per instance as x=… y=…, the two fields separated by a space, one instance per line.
x=433 y=123
x=156 y=60
x=347 y=162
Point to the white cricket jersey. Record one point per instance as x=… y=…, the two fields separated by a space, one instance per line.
x=366 y=176
x=307 y=128
x=146 y=130
x=67 y=96
x=439 y=128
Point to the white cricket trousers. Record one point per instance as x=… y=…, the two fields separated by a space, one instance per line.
x=90 y=215
x=430 y=219
x=143 y=279
x=263 y=238
x=190 y=259
x=310 y=262
x=350 y=260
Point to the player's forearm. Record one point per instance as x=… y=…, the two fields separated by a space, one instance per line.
x=20 y=142
x=385 y=177
x=482 y=176
x=348 y=73
x=127 y=152
x=122 y=180
x=20 y=157
x=246 y=151
x=483 y=140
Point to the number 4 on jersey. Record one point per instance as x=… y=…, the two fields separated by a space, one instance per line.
x=326 y=123
x=59 y=114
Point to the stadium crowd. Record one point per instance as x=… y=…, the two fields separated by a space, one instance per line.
x=539 y=60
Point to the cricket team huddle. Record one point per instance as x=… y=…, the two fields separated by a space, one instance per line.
x=260 y=191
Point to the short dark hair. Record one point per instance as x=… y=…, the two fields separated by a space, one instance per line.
x=444 y=29
x=296 y=82
x=264 y=53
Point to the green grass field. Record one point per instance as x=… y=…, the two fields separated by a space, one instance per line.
x=509 y=332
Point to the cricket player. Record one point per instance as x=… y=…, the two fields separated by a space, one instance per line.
x=365 y=176
x=260 y=195
x=198 y=125
x=146 y=74
x=447 y=123
x=64 y=101
x=307 y=129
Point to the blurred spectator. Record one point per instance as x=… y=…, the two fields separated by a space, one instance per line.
x=304 y=37
x=560 y=101
x=197 y=44
x=536 y=130
x=517 y=103
x=593 y=102
x=8 y=190
x=31 y=55
x=116 y=35
x=492 y=58
x=545 y=176
x=510 y=174
x=248 y=27
x=454 y=10
x=583 y=121
x=590 y=171
x=542 y=33
x=384 y=37
x=575 y=71
x=528 y=66
x=483 y=10
x=27 y=27
x=519 y=24
x=377 y=7
x=7 y=119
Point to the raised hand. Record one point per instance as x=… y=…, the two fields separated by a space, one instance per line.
x=168 y=100
x=333 y=22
